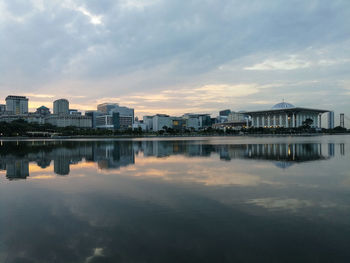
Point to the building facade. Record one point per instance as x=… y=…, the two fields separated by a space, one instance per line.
x=61 y=107
x=2 y=108
x=286 y=115
x=107 y=107
x=197 y=121
x=69 y=120
x=17 y=104
x=331 y=120
x=148 y=121
x=126 y=115
x=160 y=121
x=43 y=111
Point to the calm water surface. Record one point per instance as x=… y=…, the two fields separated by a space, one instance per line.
x=278 y=199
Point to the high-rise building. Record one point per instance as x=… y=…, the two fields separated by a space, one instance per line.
x=61 y=107
x=331 y=120
x=17 y=104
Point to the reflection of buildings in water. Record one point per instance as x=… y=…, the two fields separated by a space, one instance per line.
x=342 y=149
x=61 y=165
x=286 y=153
x=168 y=148
x=2 y=165
x=43 y=163
x=17 y=169
x=331 y=149
x=64 y=157
x=114 y=155
x=228 y=152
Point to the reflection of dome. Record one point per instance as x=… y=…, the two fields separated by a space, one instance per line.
x=283 y=165
x=283 y=105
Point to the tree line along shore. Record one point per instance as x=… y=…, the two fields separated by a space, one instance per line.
x=21 y=128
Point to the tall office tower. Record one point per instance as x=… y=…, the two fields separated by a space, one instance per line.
x=61 y=107
x=331 y=120
x=342 y=123
x=17 y=104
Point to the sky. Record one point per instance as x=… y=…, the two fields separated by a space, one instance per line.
x=174 y=57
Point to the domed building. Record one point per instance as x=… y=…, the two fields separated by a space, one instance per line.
x=285 y=115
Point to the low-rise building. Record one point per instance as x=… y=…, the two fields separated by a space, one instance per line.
x=65 y=120
x=161 y=122
x=236 y=117
x=139 y=125
x=286 y=115
x=74 y=112
x=178 y=123
x=148 y=121
x=197 y=121
x=29 y=117
x=43 y=111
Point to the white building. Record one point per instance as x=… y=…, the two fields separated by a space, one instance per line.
x=148 y=121
x=17 y=104
x=197 y=121
x=160 y=121
x=236 y=117
x=331 y=120
x=139 y=125
x=192 y=123
x=285 y=115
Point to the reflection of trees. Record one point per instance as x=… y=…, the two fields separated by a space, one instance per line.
x=116 y=154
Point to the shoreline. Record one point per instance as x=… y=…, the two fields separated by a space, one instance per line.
x=22 y=138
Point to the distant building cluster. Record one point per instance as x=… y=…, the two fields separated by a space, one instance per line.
x=161 y=122
x=17 y=108
x=115 y=117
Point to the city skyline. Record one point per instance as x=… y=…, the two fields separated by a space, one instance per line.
x=172 y=57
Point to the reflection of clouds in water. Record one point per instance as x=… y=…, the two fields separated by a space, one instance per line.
x=97 y=253
x=290 y=204
x=184 y=169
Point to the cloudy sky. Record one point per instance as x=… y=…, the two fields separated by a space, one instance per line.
x=173 y=56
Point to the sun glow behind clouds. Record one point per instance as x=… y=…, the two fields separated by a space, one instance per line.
x=198 y=99
x=94 y=19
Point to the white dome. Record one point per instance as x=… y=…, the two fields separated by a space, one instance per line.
x=283 y=105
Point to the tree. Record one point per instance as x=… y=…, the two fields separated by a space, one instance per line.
x=307 y=123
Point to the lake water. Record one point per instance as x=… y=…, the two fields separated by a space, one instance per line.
x=225 y=199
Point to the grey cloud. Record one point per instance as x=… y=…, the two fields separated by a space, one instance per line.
x=168 y=44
